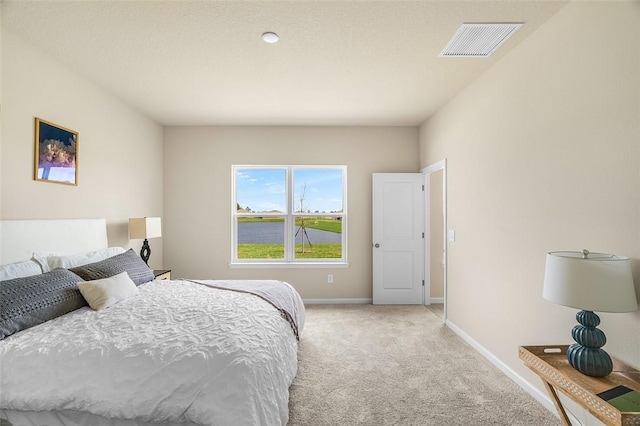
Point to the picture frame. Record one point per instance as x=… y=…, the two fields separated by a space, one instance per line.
x=56 y=153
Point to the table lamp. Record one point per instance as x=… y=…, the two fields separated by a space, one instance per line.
x=590 y=282
x=145 y=227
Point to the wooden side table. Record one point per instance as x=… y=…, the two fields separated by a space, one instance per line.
x=551 y=364
x=162 y=274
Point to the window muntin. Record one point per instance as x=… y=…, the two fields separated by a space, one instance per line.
x=291 y=214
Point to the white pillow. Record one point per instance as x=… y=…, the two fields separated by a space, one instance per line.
x=26 y=268
x=103 y=293
x=50 y=261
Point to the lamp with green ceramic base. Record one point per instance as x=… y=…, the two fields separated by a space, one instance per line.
x=591 y=282
x=586 y=354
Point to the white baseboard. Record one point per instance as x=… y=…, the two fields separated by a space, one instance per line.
x=337 y=301
x=353 y=301
x=540 y=396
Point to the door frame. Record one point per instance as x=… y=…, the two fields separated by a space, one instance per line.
x=426 y=171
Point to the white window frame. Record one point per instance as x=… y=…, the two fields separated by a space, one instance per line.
x=289 y=260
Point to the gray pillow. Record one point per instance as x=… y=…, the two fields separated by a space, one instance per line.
x=128 y=261
x=29 y=301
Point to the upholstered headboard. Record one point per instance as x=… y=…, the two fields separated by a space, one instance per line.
x=20 y=238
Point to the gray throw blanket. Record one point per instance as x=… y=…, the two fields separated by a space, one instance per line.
x=278 y=293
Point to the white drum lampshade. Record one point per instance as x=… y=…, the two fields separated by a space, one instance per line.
x=589 y=282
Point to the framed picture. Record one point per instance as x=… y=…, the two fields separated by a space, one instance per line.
x=56 y=157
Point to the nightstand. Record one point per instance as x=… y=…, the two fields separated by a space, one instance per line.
x=162 y=274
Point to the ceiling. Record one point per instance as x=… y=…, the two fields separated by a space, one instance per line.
x=337 y=62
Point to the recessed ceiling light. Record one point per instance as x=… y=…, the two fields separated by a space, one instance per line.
x=270 y=37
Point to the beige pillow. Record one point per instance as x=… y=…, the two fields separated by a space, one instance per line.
x=103 y=293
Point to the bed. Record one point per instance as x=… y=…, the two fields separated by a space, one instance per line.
x=173 y=352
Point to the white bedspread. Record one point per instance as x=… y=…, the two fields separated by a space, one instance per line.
x=178 y=352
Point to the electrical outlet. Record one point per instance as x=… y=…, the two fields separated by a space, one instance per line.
x=330 y=278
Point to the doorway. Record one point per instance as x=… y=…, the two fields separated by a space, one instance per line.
x=436 y=244
x=407 y=268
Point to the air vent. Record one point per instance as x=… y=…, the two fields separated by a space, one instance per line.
x=478 y=40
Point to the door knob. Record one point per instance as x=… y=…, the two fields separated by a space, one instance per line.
x=377 y=245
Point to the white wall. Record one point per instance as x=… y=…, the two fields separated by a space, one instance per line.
x=543 y=153
x=197 y=168
x=119 y=150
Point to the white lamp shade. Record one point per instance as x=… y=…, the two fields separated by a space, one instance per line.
x=145 y=227
x=600 y=282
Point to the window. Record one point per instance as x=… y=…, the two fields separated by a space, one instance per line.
x=289 y=215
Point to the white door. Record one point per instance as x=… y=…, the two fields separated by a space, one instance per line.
x=398 y=238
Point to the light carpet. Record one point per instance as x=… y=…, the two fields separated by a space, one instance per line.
x=399 y=365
